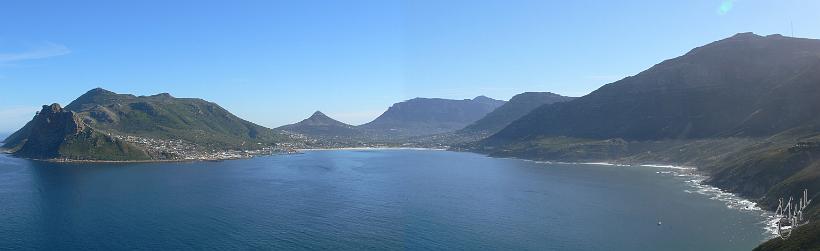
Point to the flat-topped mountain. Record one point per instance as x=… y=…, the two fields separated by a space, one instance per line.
x=320 y=125
x=518 y=106
x=422 y=116
x=159 y=126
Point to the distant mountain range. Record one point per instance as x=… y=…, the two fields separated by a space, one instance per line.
x=424 y=116
x=403 y=120
x=518 y=106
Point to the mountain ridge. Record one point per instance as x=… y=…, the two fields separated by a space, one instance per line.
x=426 y=116
x=518 y=106
x=156 y=127
x=709 y=75
x=742 y=109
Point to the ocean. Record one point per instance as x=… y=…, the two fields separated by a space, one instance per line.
x=367 y=200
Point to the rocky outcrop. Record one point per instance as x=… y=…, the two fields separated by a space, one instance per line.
x=43 y=135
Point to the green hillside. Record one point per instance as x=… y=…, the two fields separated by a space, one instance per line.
x=102 y=125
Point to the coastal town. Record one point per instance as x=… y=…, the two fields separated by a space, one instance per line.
x=176 y=149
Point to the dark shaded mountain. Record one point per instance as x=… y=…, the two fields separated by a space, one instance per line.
x=518 y=106
x=745 y=85
x=422 y=116
x=87 y=128
x=320 y=125
x=744 y=109
x=58 y=133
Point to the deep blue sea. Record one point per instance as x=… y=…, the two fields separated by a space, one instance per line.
x=362 y=199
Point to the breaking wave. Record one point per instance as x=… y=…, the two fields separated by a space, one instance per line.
x=696 y=184
x=695 y=181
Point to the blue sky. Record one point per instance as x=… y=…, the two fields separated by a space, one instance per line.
x=275 y=62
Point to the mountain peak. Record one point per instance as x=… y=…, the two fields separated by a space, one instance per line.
x=483 y=98
x=92 y=96
x=53 y=108
x=320 y=125
x=99 y=91
x=318 y=114
x=163 y=95
x=745 y=35
x=320 y=118
x=747 y=79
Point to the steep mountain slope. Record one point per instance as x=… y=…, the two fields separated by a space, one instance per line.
x=422 y=116
x=58 y=133
x=745 y=85
x=518 y=106
x=102 y=125
x=744 y=109
x=320 y=125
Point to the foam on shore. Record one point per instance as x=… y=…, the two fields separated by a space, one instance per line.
x=601 y=164
x=696 y=182
x=697 y=185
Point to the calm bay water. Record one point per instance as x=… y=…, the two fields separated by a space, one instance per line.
x=387 y=199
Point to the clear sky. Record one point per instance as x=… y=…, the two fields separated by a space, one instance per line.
x=275 y=62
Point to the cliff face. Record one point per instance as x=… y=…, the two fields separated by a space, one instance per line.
x=43 y=135
x=59 y=133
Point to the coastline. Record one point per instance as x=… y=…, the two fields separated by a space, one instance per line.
x=295 y=151
x=54 y=160
x=695 y=179
x=386 y=148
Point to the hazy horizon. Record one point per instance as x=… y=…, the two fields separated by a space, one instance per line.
x=276 y=63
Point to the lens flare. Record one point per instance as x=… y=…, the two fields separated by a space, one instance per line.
x=725 y=6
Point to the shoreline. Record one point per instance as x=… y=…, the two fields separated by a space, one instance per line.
x=695 y=177
x=138 y=161
x=386 y=148
x=295 y=151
